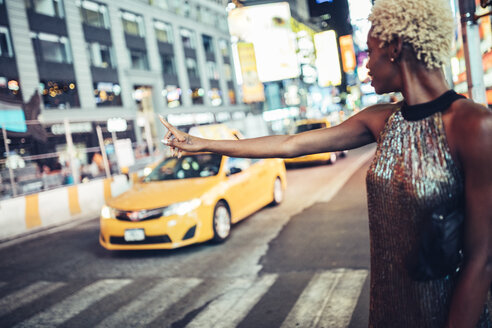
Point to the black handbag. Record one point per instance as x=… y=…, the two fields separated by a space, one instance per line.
x=440 y=250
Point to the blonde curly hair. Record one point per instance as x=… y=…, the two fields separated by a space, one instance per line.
x=426 y=25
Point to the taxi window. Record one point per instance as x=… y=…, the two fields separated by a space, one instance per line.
x=310 y=126
x=188 y=166
x=237 y=163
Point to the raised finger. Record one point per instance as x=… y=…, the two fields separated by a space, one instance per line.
x=172 y=129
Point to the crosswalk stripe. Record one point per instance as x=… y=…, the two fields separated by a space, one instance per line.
x=75 y=303
x=229 y=309
x=309 y=306
x=338 y=310
x=316 y=305
x=26 y=295
x=151 y=303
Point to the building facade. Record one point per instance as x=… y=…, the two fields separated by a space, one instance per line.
x=132 y=59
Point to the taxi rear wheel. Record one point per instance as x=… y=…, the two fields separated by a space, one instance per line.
x=221 y=222
x=278 y=192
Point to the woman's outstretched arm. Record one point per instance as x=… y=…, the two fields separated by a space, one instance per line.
x=357 y=131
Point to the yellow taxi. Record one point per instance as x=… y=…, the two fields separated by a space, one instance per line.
x=191 y=199
x=307 y=125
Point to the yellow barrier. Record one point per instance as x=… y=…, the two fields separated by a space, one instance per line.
x=33 y=219
x=73 y=200
x=83 y=201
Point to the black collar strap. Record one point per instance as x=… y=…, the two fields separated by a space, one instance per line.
x=421 y=111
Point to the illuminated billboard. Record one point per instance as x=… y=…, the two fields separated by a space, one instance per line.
x=348 y=53
x=268 y=27
x=252 y=86
x=327 y=60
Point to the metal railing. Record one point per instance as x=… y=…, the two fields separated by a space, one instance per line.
x=22 y=173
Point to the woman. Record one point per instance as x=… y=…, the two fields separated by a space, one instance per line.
x=434 y=149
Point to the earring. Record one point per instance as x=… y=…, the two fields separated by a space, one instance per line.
x=392 y=59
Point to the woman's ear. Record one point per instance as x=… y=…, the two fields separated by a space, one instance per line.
x=395 y=49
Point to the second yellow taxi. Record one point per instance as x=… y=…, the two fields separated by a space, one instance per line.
x=307 y=125
x=190 y=200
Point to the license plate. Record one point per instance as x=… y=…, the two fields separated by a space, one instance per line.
x=134 y=234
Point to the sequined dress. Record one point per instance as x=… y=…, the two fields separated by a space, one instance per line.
x=411 y=174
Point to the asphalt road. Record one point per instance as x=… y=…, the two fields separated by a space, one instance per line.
x=304 y=263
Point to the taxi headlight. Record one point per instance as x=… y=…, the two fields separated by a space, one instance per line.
x=182 y=208
x=107 y=212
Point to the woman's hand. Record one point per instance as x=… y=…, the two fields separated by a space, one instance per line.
x=178 y=140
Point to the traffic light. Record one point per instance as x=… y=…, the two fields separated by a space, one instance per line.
x=334 y=13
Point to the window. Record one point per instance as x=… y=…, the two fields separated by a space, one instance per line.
x=192 y=68
x=107 y=94
x=232 y=96
x=227 y=72
x=172 y=94
x=101 y=55
x=5 y=44
x=53 y=8
x=208 y=44
x=159 y=3
x=10 y=88
x=163 y=31
x=138 y=59
x=215 y=97
x=94 y=14
x=186 y=8
x=237 y=163
x=224 y=47
x=197 y=96
x=168 y=65
x=199 y=14
x=59 y=94
x=212 y=72
x=176 y=6
x=53 y=48
x=132 y=24
x=206 y=16
x=188 y=38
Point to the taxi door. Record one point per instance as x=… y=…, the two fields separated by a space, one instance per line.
x=238 y=191
x=260 y=184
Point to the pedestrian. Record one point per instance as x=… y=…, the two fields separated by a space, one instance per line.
x=434 y=150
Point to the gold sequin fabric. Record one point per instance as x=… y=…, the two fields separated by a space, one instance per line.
x=411 y=174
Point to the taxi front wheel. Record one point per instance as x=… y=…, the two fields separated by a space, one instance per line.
x=221 y=222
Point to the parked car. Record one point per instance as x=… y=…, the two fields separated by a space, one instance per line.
x=308 y=125
x=190 y=200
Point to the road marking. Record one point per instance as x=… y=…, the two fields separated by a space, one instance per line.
x=75 y=304
x=229 y=309
x=27 y=295
x=338 y=311
x=151 y=303
x=328 y=300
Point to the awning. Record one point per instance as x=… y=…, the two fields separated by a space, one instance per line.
x=13 y=120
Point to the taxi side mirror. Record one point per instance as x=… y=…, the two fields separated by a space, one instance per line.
x=234 y=170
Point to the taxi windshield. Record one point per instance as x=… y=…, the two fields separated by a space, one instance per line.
x=188 y=166
x=310 y=126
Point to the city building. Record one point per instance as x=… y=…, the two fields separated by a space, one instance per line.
x=127 y=59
